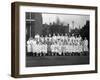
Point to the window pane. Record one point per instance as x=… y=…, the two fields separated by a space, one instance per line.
x=28 y=23
x=28 y=15
x=32 y=15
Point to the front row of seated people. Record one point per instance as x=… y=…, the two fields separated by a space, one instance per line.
x=57 y=44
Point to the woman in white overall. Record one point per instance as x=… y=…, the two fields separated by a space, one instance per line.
x=85 y=45
x=29 y=45
x=80 y=46
x=34 y=46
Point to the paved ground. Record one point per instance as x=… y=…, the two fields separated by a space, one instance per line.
x=33 y=61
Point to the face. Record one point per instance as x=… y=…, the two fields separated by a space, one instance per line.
x=41 y=35
x=49 y=35
x=58 y=34
x=53 y=34
x=66 y=34
x=45 y=35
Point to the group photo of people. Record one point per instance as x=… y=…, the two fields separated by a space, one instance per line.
x=57 y=39
x=56 y=44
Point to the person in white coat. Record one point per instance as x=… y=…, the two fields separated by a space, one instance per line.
x=80 y=46
x=54 y=38
x=73 y=43
x=37 y=37
x=29 y=46
x=85 y=44
x=34 y=46
x=66 y=43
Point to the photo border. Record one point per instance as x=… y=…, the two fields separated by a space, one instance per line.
x=15 y=32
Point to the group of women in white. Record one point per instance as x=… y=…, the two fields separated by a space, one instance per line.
x=57 y=44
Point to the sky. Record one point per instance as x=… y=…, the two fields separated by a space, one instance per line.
x=79 y=20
